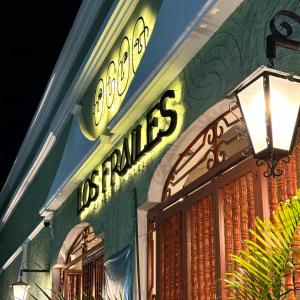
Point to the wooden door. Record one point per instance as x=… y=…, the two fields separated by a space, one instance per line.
x=198 y=233
x=99 y=263
x=186 y=249
x=170 y=257
x=239 y=196
x=88 y=279
x=201 y=249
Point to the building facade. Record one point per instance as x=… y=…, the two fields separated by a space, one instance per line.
x=131 y=181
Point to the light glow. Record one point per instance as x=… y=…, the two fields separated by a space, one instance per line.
x=20 y=290
x=138 y=168
x=120 y=66
x=285 y=102
x=252 y=104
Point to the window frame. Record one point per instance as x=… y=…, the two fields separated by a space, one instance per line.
x=88 y=256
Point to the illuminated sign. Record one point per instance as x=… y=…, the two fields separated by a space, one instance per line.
x=159 y=123
x=120 y=66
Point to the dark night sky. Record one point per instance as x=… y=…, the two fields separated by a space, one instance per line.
x=32 y=36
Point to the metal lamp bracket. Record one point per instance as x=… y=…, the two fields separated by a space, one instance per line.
x=33 y=271
x=277 y=39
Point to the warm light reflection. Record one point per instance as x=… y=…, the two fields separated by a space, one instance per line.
x=20 y=290
x=279 y=107
x=118 y=69
x=285 y=101
x=253 y=106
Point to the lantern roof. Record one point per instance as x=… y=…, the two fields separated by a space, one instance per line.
x=262 y=70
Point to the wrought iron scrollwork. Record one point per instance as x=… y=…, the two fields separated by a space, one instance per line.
x=214 y=135
x=210 y=148
x=277 y=38
x=272 y=166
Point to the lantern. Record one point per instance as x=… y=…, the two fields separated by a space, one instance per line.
x=269 y=101
x=20 y=289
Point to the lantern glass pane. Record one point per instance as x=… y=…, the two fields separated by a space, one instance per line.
x=252 y=103
x=284 y=102
x=20 y=291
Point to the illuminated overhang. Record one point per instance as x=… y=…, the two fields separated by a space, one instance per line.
x=78 y=174
x=178 y=43
x=77 y=150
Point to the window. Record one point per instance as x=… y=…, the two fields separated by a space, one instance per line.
x=210 y=201
x=83 y=273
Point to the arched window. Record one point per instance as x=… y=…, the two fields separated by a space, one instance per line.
x=83 y=273
x=209 y=203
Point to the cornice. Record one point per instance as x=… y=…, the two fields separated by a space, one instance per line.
x=81 y=26
x=109 y=31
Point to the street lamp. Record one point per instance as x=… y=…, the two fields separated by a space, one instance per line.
x=20 y=289
x=269 y=101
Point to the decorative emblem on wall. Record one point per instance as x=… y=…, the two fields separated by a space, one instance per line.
x=110 y=84
x=119 y=74
x=211 y=148
x=99 y=102
x=139 y=42
x=124 y=66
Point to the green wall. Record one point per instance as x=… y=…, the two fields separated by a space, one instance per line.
x=26 y=217
x=234 y=52
x=39 y=257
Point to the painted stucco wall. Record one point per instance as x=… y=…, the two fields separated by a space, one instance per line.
x=39 y=257
x=234 y=52
x=26 y=216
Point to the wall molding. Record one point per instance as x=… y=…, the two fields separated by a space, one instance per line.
x=113 y=24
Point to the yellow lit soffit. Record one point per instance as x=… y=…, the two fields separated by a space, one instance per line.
x=118 y=70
